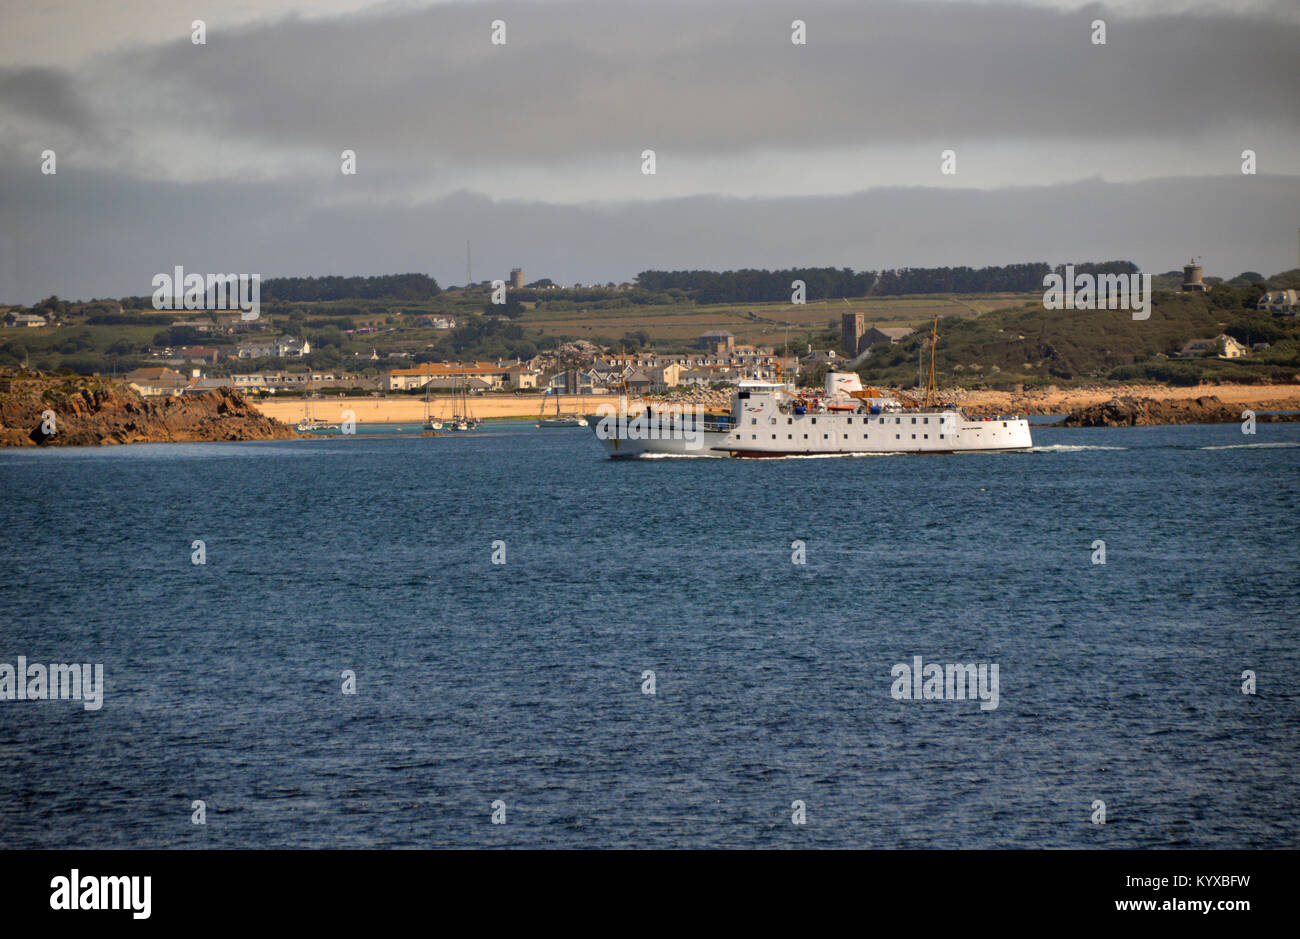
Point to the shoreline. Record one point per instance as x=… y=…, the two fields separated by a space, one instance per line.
x=402 y=409
x=1064 y=401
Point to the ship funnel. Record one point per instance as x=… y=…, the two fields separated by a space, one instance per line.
x=839 y=384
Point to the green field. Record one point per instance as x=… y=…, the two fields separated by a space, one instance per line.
x=760 y=323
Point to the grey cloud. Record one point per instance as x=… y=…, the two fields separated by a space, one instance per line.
x=45 y=95
x=421 y=92
x=95 y=235
x=586 y=77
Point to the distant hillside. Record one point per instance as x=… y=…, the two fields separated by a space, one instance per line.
x=370 y=328
x=1034 y=346
x=1287 y=280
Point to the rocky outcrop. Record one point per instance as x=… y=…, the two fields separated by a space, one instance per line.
x=92 y=411
x=1140 y=412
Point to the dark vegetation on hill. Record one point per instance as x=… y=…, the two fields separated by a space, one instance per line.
x=763 y=286
x=1034 y=346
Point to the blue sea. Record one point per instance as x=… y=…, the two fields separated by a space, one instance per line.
x=523 y=684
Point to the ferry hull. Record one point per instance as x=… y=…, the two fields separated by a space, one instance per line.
x=776 y=454
x=630 y=448
x=769 y=432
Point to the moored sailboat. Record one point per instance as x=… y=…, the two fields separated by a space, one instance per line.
x=559 y=420
x=308 y=423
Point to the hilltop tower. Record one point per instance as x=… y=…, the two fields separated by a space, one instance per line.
x=1192 y=282
x=852 y=328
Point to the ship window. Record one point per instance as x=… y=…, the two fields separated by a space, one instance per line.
x=846 y=436
x=913 y=436
x=864 y=436
x=941 y=436
x=882 y=420
x=895 y=436
x=753 y=436
x=898 y=420
x=753 y=420
x=927 y=436
x=814 y=420
x=1004 y=423
x=850 y=420
x=913 y=420
x=925 y=420
x=805 y=436
x=789 y=436
x=826 y=436
x=789 y=420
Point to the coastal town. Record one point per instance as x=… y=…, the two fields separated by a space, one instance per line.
x=574 y=369
x=259 y=360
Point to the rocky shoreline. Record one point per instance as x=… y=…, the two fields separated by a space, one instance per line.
x=1052 y=400
x=84 y=412
x=91 y=411
x=1144 y=412
x=1130 y=410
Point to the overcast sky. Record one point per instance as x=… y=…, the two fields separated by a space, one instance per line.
x=225 y=157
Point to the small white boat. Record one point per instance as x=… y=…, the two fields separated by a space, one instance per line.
x=562 y=422
x=559 y=420
x=309 y=423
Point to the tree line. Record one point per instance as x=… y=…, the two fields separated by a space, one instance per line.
x=381 y=287
x=757 y=286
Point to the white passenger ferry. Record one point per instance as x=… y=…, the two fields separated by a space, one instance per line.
x=770 y=419
x=851 y=419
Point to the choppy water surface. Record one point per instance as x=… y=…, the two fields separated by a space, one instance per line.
x=523 y=682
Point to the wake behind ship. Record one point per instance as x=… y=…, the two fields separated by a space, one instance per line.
x=770 y=419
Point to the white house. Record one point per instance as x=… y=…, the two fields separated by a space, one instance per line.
x=284 y=347
x=24 y=320
x=1280 y=302
x=1197 y=348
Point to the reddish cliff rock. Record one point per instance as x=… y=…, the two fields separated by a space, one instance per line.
x=92 y=411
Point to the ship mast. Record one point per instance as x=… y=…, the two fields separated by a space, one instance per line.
x=930 y=392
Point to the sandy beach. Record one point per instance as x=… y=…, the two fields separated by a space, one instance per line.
x=398 y=409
